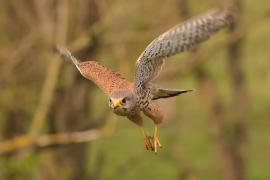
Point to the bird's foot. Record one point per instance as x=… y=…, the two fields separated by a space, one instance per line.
x=148 y=143
x=155 y=143
x=151 y=142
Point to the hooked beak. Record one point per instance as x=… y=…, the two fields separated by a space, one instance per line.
x=116 y=103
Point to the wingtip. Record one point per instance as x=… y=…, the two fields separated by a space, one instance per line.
x=67 y=54
x=228 y=13
x=59 y=49
x=63 y=51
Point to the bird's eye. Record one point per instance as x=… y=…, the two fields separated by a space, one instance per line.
x=124 y=100
x=110 y=100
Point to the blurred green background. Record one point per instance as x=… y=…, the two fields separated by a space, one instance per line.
x=219 y=131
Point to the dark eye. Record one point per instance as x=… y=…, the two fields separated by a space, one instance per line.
x=110 y=100
x=124 y=100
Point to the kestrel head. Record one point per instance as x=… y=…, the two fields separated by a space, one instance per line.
x=122 y=102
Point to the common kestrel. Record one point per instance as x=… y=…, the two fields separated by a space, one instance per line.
x=129 y=99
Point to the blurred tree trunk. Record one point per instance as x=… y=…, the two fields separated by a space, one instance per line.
x=72 y=105
x=230 y=166
x=216 y=111
x=239 y=92
x=72 y=115
x=15 y=115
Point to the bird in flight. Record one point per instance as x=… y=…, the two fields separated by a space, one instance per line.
x=129 y=99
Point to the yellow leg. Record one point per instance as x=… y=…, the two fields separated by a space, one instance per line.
x=155 y=139
x=147 y=140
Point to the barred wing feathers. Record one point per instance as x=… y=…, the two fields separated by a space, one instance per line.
x=177 y=39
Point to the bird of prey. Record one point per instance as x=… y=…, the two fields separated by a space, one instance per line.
x=131 y=98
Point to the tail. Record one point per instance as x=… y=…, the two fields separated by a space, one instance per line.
x=67 y=55
x=159 y=93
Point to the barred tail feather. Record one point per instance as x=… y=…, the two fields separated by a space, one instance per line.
x=167 y=93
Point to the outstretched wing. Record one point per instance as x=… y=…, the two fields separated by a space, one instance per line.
x=176 y=40
x=105 y=78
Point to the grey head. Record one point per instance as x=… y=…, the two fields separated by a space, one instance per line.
x=123 y=102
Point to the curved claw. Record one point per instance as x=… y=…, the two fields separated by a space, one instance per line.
x=155 y=144
x=148 y=143
x=147 y=140
x=151 y=142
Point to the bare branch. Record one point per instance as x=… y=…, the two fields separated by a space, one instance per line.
x=24 y=141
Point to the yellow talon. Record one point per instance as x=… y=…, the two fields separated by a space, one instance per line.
x=155 y=140
x=151 y=142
